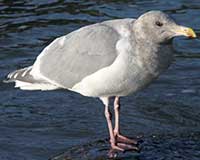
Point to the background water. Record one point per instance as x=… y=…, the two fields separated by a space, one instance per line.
x=39 y=125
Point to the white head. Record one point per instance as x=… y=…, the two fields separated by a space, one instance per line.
x=158 y=27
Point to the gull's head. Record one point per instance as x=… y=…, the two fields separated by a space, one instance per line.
x=158 y=27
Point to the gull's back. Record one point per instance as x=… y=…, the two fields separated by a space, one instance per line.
x=70 y=58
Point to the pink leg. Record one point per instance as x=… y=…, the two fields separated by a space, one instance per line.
x=109 y=122
x=117 y=134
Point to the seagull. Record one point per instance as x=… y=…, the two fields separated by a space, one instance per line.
x=110 y=59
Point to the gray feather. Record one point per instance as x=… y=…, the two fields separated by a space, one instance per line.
x=22 y=75
x=70 y=58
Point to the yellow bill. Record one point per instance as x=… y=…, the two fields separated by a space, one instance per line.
x=185 y=31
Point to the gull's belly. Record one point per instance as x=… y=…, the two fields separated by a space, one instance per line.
x=111 y=81
x=136 y=82
x=129 y=73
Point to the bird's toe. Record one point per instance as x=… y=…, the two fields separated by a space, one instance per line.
x=127 y=140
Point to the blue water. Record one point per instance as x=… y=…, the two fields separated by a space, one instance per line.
x=38 y=125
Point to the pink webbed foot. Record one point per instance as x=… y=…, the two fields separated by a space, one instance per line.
x=122 y=143
x=123 y=139
x=122 y=147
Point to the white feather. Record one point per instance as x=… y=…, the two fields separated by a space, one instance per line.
x=34 y=86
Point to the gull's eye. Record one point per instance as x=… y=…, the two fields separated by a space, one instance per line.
x=160 y=24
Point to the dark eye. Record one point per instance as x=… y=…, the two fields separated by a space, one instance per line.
x=160 y=24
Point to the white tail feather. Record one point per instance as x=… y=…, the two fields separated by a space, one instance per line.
x=34 y=86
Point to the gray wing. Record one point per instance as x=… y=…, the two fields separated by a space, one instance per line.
x=68 y=59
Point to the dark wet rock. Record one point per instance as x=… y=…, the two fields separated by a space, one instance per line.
x=156 y=147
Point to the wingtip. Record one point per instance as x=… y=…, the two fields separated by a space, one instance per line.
x=7 y=81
